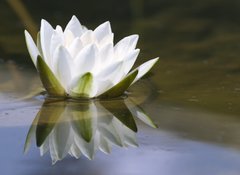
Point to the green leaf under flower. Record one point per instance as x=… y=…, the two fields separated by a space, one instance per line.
x=119 y=88
x=50 y=82
x=83 y=87
x=82 y=122
x=122 y=113
x=48 y=116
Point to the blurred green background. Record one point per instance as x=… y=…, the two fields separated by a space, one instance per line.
x=167 y=28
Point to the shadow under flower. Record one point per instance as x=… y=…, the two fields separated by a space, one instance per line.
x=81 y=128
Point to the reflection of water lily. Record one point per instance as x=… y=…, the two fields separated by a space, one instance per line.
x=85 y=63
x=82 y=128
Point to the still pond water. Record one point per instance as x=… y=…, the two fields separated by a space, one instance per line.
x=192 y=95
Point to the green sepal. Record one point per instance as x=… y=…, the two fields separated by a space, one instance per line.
x=119 y=88
x=49 y=81
x=122 y=113
x=83 y=87
x=82 y=121
x=48 y=116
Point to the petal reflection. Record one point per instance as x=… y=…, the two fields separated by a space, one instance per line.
x=81 y=128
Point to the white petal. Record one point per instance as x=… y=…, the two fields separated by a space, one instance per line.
x=75 y=151
x=32 y=48
x=106 y=55
x=46 y=32
x=75 y=47
x=139 y=113
x=87 y=149
x=114 y=72
x=59 y=30
x=107 y=40
x=85 y=60
x=52 y=148
x=108 y=77
x=87 y=38
x=56 y=40
x=103 y=86
x=104 y=145
x=44 y=147
x=144 y=68
x=103 y=31
x=84 y=28
x=63 y=138
x=129 y=137
x=125 y=45
x=130 y=59
x=68 y=37
x=110 y=71
x=75 y=27
x=64 y=66
x=119 y=76
x=94 y=89
x=109 y=132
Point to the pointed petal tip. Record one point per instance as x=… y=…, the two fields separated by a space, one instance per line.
x=43 y=21
x=25 y=150
x=74 y=18
x=31 y=46
x=145 y=68
x=93 y=48
x=155 y=126
x=152 y=62
x=137 y=50
x=27 y=36
x=134 y=37
x=156 y=59
x=26 y=32
x=61 y=48
x=91 y=157
x=106 y=23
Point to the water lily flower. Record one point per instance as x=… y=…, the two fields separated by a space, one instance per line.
x=79 y=62
x=82 y=128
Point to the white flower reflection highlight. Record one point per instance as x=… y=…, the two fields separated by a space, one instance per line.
x=84 y=63
x=71 y=128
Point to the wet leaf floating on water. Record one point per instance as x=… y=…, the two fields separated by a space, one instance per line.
x=84 y=63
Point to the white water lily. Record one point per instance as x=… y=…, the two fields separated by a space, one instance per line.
x=69 y=127
x=78 y=62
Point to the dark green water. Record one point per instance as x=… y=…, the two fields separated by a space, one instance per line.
x=193 y=94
